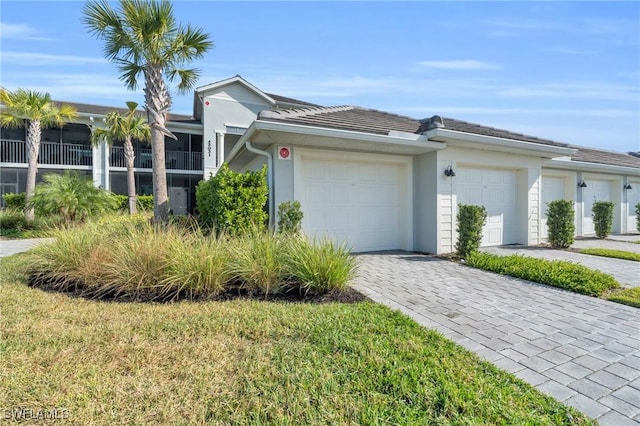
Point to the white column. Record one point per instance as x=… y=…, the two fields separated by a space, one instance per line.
x=220 y=148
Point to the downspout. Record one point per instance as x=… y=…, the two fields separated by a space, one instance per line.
x=251 y=148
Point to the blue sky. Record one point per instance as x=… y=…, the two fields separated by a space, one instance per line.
x=568 y=71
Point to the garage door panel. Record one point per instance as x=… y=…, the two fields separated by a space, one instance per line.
x=596 y=190
x=357 y=202
x=496 y=190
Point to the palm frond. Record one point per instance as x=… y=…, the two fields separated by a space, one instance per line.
x=188 y=78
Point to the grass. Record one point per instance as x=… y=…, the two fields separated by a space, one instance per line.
x=557 y=273
x=628 y=296
x=246 y=362
x=617 y=254
x=132 y=259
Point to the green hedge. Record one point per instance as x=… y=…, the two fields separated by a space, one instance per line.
x=470 y=219
x=557 y=273
x=14 y=201
x=560 y=223
x=233 y=202
x=603 y=218
x=144 y=202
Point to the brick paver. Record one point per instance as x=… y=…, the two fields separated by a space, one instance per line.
x=581 y=350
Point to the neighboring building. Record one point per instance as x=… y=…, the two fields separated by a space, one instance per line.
x=376 y=180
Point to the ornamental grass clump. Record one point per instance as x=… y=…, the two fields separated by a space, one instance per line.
x=258 y=261
x=319 y=266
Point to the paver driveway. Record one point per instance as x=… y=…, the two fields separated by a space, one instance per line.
x=581 y=350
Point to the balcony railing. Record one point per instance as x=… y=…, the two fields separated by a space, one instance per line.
x=14 y=151
x=54 y=153
x=179 y=160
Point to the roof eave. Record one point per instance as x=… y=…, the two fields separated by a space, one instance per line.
x=568 y=164
x=402 y=143
x=493 y=143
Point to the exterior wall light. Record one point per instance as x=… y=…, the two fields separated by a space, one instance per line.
x=627 y=186
x=449 y=172
x=582 y=184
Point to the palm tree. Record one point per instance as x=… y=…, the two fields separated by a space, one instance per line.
x=24 y=106
x=125 y=128
x=143 y=38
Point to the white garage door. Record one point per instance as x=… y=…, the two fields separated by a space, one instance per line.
x=363 y=203
x=497 y=191
x=552 y=189
x=596 y=190
x=633 y=198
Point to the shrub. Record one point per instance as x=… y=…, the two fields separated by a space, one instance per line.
x=14 y=224
x=557 y=273
x=319 y=266
x=144 y=202
x=289 y=217
x=470 y=219
x=14 y=201
x=233 y=202
x=70 y=195
x=603 y=218
x=638 y=217
x=628 y=296
x=616 y=254
x=560 y=222
x=13 y=219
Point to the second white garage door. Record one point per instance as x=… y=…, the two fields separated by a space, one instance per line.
x=552 y=189
x=497 y=191
x=363 y=203
x=596 y=190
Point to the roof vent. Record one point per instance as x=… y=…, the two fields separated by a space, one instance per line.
x=434 y=122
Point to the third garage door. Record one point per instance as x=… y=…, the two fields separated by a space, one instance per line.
x=497 y=191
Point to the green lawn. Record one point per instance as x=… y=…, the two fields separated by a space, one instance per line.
x=628 y=296
x=617 y=254
x=246 y=362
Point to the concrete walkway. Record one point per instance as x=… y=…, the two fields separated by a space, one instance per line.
x=627 y=272
x=581 y=350
x=612 y=244
x=9 y=247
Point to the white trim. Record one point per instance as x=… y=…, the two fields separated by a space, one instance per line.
x=590 y=167
x=400 y=142
x=454 y=137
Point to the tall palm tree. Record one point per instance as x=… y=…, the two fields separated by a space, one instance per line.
x=125 y=128
x=37 y=111
x=143 y=39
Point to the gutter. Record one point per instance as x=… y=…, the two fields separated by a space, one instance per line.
x=593 y=167
x=255 y=150
x=453 y=136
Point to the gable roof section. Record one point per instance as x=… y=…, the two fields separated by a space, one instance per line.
x=373 y=121
x=239 y=80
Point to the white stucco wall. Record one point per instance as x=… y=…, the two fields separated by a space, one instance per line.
x=427 y=203
x=233 y=105
x=528 y=203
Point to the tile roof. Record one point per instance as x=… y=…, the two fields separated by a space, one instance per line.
x=600 y=156
x=285 y=99
x=103 y=110
x=379 y=122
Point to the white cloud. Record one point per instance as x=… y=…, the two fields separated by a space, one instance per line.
x=36 y=59
x=465 y=64
x=20 y=31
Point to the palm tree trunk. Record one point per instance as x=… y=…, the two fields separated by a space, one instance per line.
x=129 y=156
x=34 y=133
x=157 y=102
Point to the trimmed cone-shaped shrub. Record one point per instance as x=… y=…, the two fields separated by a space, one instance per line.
x=471 y=219
x=560 y=223
x=603 y=218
